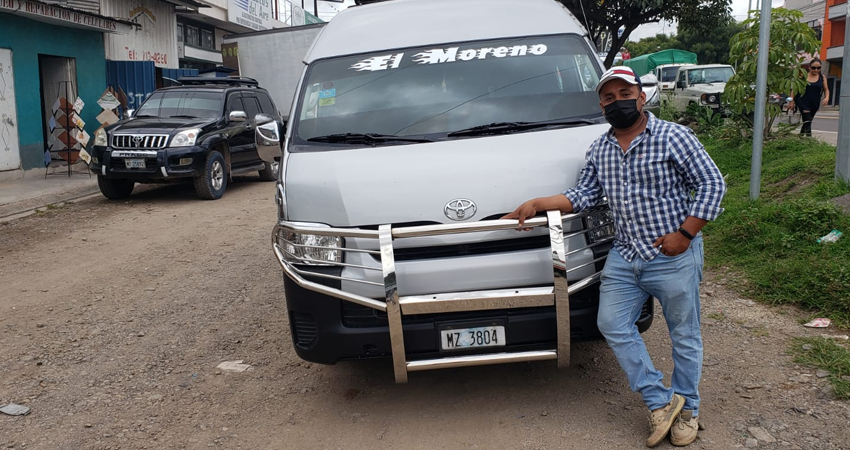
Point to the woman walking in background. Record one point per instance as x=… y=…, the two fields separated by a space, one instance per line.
x=815 y=96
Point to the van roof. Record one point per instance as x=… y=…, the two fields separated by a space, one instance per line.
x=410 y=23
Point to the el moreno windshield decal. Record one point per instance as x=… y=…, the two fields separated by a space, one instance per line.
x=447 y=55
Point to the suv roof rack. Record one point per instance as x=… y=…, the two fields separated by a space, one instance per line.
x=231 y=81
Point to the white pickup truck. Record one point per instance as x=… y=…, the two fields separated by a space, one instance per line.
x=702 y=85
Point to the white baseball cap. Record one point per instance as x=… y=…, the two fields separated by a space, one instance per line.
x=621 y=72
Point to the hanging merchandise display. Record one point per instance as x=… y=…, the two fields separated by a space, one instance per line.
x=68 y=137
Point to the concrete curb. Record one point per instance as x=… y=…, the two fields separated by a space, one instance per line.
x=23 y=207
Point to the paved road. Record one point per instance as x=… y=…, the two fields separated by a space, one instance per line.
x=114 y=316
x=826 y=122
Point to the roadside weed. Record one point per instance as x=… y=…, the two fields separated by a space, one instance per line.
x=773 y=241
x=825 y=354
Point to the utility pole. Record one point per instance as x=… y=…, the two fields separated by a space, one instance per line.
x=761 y=100
x=842 y=151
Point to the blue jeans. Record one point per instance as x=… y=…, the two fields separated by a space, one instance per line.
x=674 y=281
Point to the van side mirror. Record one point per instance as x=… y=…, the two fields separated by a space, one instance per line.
x=261 y=119
x=680 y=84
x=268 y=138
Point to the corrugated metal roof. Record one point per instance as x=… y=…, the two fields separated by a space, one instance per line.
x=410 y=23
x=84 y=5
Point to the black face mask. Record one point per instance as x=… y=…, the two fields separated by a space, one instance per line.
x=622 y=113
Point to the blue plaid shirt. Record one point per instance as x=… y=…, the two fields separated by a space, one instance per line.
x=665 y=176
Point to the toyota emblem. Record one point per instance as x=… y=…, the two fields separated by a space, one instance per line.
x=137 y=140
x=460 y=209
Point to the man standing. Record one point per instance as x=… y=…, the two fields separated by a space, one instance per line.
x=662 y=188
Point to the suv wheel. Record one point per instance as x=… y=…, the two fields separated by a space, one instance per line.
x=269 y=173
x=115 y=189
x=212 y=183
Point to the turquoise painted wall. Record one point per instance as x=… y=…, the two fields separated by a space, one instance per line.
x=29 y=38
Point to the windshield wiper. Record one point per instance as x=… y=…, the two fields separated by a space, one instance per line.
x=357 y=138
x=509 y=127
x=182 y=116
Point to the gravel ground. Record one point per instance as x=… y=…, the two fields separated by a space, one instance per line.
x=114 y=316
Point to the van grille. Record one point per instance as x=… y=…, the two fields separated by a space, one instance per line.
x=471 y=249
x=139 y=141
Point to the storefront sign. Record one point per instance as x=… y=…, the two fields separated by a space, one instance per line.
x=155 y=39
x=55 y=14
x=230 y=56
x=253 y=14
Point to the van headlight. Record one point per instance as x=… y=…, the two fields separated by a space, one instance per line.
x=600 y=226
x=185 y=138
x=100 y=137
x=309 y=249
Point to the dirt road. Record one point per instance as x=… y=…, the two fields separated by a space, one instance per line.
x=114 y=316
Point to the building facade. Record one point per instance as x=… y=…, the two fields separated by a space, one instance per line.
x=47 y=51
x=832 y=48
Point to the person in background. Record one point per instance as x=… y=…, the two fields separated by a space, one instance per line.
x=815 y=96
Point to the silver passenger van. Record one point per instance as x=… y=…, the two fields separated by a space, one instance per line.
x=416 y=125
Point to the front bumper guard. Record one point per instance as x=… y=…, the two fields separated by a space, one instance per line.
x=396 y=306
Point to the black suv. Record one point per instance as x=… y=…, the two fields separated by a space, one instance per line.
x=202 y=131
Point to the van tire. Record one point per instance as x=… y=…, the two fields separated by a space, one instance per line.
x=115 y=189
x=269 y=172
x=212 y=183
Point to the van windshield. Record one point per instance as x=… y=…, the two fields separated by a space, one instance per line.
x=438 y=89
x=669 y=73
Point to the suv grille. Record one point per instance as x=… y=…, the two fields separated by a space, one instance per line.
x=139 y=141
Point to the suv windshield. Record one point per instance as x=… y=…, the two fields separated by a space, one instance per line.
x=710 y=75
x=183 y=104
x=444 y=88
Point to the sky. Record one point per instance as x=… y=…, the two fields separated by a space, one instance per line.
x=739 y=12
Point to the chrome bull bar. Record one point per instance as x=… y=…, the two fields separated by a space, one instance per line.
x=397 y=306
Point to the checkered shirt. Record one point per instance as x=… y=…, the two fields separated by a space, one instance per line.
x=665 y=176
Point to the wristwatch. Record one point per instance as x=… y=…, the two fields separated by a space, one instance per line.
x=686 y=234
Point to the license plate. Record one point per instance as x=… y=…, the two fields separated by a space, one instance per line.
x=134 y=163
x=465 y=338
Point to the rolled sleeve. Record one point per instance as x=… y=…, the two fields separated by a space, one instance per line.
x=587 y=191
x=701 y=175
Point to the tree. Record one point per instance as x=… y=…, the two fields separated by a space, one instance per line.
x=608 y=16
x=789 y=40
x=711 y=46
x=653 y=44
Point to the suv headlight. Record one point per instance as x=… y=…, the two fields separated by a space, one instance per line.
x=100 y=138
x=185 y=138
x=600 y=226
x=309 y=249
